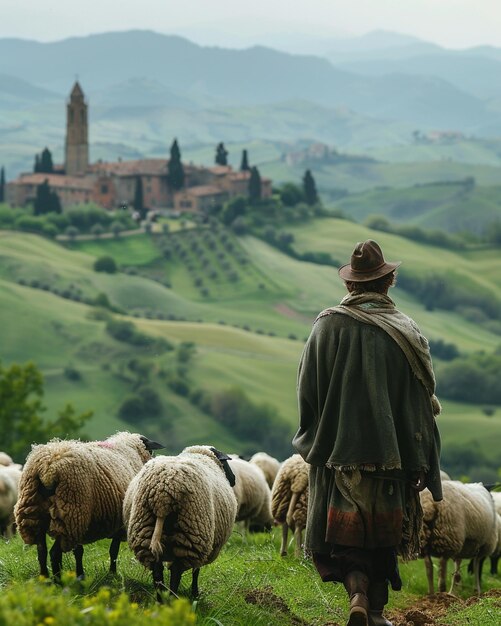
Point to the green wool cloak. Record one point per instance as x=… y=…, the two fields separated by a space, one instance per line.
x=362 y=405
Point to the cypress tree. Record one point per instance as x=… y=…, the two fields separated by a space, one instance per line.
x=244 y=166
x=254 y=185
x=43 y=199
x=36 y=166
x=55 y=203
x=175 y=170
x=221 y=154
x=2 y=184
x=138 y=197
x=46 y=164
x=310 y=188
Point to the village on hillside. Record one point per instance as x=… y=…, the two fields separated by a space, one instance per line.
x=154 y=183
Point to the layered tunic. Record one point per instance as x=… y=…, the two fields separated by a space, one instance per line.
x=367 y=426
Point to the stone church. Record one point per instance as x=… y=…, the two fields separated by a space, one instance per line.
x=113 y=184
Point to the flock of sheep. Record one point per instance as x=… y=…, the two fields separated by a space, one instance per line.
x=181 y=509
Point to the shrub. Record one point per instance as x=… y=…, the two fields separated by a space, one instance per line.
x=35 y=603
x=71 y=373
x=105 y=264
x=72 y=232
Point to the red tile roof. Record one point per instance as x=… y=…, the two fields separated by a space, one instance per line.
x=56 y=181
x=204 y=190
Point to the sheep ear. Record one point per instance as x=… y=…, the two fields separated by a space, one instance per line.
x=223 y=459
x=151 y=445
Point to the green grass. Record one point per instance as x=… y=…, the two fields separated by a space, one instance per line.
x=445 y=207
x=249 y=583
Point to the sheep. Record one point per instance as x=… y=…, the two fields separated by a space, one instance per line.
x=496 y=496
x=253 y=495
x=180 y=509
x=73 y=491
x=289 y=500
x=444 y=475
x=9 y=487
x=268 y=464
x=5 y=459
x=462 y=525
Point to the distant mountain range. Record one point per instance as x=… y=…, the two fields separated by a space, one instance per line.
x=144 y=87
x=178 y=73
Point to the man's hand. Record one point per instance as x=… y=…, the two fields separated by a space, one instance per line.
x=418 y=480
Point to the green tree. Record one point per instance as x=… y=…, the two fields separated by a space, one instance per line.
x=42 y=199
x=46 y=200
x=310 y=188
x=175 y=169
x=254 y=185
x=46 y=164
x=244 y=165
x=36 y=165
x=138 y=197
x=291 y=194
x=21 y=409
x=221 y=154
x=2 y=184
x=105 y=264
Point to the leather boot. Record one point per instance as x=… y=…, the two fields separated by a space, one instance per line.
x=357 y=584
x=378 y=598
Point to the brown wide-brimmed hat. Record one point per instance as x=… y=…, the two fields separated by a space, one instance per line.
x=367 y=263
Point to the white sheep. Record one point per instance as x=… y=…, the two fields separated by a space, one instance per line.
x=462 y=525
x=73 y=491
x=268 y=464
x=444 y=475
x=289 y=500
x=180 y=509
x=496 y=496
x=253 y=495
x=5 y=459
x=9 y=487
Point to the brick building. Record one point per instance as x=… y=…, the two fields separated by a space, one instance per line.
x=113 y=184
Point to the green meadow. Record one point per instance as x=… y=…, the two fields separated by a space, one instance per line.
x=248 y=584
x=248 y=326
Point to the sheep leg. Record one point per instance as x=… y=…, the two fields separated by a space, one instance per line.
x=285 y=532
x=56 y=559
x=292 y=506
x=157 y=569
x=428 y=565
x=477 y=569
x=42 y=556
x=194 y=582
x=78 y=552
x=456 y=576
x=442 y=574
x=114 y=549
x=494 y=565
x=297 y=536
x=175 y=578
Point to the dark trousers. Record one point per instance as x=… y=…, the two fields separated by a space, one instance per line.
x=379 y=564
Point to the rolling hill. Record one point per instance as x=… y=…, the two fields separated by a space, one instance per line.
x=247 y=334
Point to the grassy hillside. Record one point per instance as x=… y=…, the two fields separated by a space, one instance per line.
x=356 y=177
x=451 y=207
x=248 y=334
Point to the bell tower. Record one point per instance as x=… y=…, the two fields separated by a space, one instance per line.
x=76 y=159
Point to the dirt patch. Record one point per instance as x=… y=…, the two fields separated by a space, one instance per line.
x=427 y=611
x=266 y=599
x=286 y=311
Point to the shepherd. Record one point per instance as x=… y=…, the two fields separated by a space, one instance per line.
x=367 y=407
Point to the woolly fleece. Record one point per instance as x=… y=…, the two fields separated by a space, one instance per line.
x=84 y=486
x=252 y=493
x=191 y=492
x=268 y=464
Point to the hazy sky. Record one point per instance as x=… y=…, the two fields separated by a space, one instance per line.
x=452 y=23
